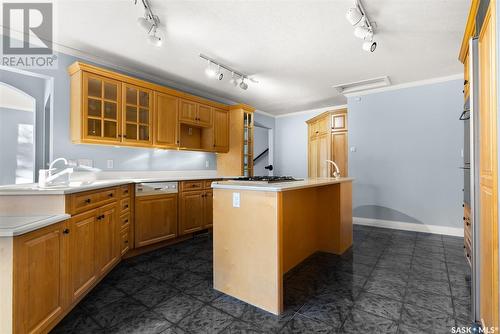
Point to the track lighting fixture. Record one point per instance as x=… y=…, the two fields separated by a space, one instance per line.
x=150 y=23
x=243 y=84
x=237 y=78
x=356 y=15
x=369 y=46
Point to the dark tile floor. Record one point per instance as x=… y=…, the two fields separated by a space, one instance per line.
x=389 y=282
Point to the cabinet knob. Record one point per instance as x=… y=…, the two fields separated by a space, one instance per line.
x=110 y=194
x=126 y=241
x=126 y=206
x=88 y=201
x=66 y=231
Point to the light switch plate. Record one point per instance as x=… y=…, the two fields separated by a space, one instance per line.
x=353 y=148
x=236 y=200
x=207 y=163
x=109 y=164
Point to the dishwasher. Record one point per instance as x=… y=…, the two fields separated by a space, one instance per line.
x=155 y=212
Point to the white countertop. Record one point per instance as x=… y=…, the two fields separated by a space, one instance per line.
x=282 y=186
x=106 y=179
x=11 y=226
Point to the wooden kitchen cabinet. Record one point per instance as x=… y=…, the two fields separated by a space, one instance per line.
x=165 y=121
x=221 y=130
x=107 y=243
x=327 y=140
x=137 y=115
x=208 y=214
x=195 y=206
x=191 y=212
x=340 y=151
x=82 y=254
x=110 y=108
x=40 y=278
x=156 y=219
x=195 y=113
x=101 y=104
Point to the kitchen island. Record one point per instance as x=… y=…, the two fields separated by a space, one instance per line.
x=263 y=230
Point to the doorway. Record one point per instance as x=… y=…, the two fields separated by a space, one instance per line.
x=263 y=150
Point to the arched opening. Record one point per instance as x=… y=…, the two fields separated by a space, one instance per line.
x=17 y=135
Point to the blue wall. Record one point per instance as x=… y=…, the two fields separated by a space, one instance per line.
x=408 y=152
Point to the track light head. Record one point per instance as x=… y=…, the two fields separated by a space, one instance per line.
x=369 y=46
x=155 y=40
x=243 y=84
x=145 y=24
x=354 y=15
x=363 y=33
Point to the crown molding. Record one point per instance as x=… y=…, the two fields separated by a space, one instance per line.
x=310 y=111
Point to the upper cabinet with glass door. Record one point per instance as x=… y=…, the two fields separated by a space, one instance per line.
x=138 y=107
x=101 y=108
x=112 y=108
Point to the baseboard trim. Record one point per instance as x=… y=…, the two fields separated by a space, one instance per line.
x=435 y=229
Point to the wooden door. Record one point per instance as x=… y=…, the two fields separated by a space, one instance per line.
x=488 y=172
x=313 y=157
x=101 y=108
x=187 y=111
x=340 y=151
x=137 y=114
x=82 y=254
x=165 y=120
x=40 y=270
x=208 y=213
x=221 y=130
x=155 y=219
x=204 y=117
x=191 y=212
x=107 y=243
x=323 y=155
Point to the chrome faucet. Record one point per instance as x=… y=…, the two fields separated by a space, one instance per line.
x=49 y=178
x=336 y=174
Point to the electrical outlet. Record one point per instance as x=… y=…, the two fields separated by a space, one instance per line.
x=72 y=162
x=207 y=163
x=236 y=200
x=109 y=164
x=190 y=131
x=86 y=162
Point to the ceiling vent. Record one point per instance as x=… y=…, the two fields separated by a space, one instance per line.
x=362 y=85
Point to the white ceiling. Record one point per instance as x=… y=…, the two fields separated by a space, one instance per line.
x=297 y=50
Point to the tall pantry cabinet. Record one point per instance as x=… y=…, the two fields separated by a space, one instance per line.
x=327 y=140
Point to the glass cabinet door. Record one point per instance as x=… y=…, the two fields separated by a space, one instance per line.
x=247 y=144
x=101 y=108
x=137 y=114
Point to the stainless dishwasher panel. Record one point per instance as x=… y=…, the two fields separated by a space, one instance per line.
x=155 y=188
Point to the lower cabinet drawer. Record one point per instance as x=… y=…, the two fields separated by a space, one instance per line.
x=191 y=185
x=124 y=241
x=125 y=205
x=125 y=220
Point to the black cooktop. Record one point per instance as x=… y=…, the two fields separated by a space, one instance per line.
x=268 y=179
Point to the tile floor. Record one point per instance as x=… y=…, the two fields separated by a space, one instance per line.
x=389 y=282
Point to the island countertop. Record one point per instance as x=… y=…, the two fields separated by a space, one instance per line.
x=279 y=186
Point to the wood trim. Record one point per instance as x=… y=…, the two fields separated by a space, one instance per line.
x=469 y=30
x=243 y=106
x=81 y=66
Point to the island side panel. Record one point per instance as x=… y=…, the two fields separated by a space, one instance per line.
x=247 y=247
x=335 y=217
x=6 y=283
x=299 y=210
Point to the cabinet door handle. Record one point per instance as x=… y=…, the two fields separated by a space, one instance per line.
x=126 y=221
x=126 y=241
x=66 y=231
x=126 y=206
x=110 y=195
x=88 y=201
